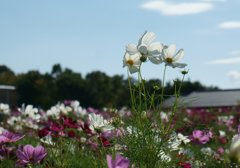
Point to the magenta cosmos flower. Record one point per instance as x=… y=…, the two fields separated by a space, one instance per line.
x=30 y=155
x=237 y=135
x=199 y=138
x=6 y=137
x=119 y=162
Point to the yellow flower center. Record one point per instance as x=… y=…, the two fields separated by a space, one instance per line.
x=31 y=159
x=27 y=115
x=197 y=139
x=130 y=62
x=169 y=60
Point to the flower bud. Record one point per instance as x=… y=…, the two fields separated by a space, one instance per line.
x=156 y=87
x=184 y=72
x=135 y=86
x=143 y=58
x=144 y=80
x=112 y=110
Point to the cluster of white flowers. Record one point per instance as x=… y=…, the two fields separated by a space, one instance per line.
x=225 y=118
x=56 y=110
x=207 y=151
x=30 y=112
x=156 y=52
x=80 y=112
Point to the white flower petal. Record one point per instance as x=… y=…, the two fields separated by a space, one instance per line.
x=143 y=49
x=155 y=59
x=126 y=57
x=133 y=69
x=148 y=38
x=140 y=38
x=135 y=57
x=169 y=51
x=155 y=48
x=131 y=49
x=178 y=65
x=179 y=55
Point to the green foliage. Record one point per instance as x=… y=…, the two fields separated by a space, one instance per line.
x=96 y=90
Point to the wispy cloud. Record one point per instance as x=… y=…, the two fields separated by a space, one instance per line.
x=225 y=61
x=234 y=52
x=168 y=8
x=229 y=25
x=234 y=76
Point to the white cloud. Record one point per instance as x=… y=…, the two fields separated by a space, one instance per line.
x=229 y=25
x=168 y=8
x=234 y=76
x=234 y=52
x=225 y=61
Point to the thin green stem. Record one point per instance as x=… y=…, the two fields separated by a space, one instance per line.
x=152 y=99
x=163 y=86
x=145 y=96
x=130 y=86
x=181 y=84
x=61 y=147
x=139 y=86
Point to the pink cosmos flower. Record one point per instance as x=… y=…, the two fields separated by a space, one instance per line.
x=30 y=155
x=9 y=137
x=199 y=138
x=237 y=135
x=119 y=162
x=208 y=132
x=220 y=150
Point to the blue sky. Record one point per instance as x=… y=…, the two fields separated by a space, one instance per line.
x=91 y=35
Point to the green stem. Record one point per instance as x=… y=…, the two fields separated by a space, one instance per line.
x=130 y=86
x=163 y=86
x=145 y=98
x=139 y=86
x=152 y=99
x=61 y=147
x=181 y=84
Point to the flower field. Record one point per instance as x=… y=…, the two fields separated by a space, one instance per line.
x=68 y=135
x=143 y=135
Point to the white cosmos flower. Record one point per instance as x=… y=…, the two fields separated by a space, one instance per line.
x=207 y=151
x=54 y=111
x=164 y=157
x=80 y=111
x=98 y=124
x=4 y=109
x=14 y=120
x=183 y=138
x=47 y=140
x=234 y=151
x=75 y=104
x=169 y=57
x=222 y=133
x=144 y=47
x=132 y=62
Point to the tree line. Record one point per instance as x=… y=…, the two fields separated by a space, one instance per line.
x=96 y=90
